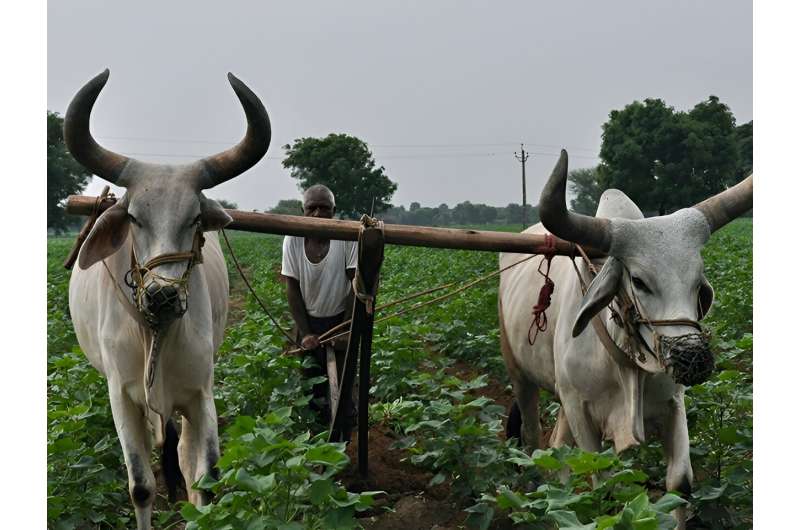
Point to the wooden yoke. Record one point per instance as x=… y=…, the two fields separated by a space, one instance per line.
x=370 y=259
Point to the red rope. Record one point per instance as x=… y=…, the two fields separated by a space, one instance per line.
x=545 y=293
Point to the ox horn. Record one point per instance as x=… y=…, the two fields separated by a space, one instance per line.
x=244 y=155
x=84 y=148
x=582 y=229
x=727 y=205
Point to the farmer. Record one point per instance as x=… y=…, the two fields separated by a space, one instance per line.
x=318 y=275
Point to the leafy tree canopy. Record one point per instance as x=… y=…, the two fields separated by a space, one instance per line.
x=228 y=205
x=663 y=159
x=65 y=176
x=288 y=207
x=585 y=184
x=345 y=164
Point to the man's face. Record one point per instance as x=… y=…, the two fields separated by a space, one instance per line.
x=318 y=204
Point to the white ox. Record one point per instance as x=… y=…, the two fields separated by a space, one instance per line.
x=604 y=394
x=180 y=298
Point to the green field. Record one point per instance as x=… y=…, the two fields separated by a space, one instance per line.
x=437 y=380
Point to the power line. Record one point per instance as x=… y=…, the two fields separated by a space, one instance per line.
x=420 y=156
x=381 y=146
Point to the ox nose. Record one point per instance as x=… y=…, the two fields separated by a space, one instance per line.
x=162 y=300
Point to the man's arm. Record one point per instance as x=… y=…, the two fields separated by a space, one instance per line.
x=298 y=310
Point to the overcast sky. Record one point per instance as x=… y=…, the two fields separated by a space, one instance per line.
x=443 y=92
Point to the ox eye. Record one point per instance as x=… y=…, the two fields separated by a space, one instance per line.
x=640 y=285
x=133 y=220
x=197 y=220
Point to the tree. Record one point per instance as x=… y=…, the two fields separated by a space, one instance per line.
x=744 y=140
x=65 y=176
x=663 y=159
x=442 y=215
x=345 y=164
x=465 y=213
x=288 y=207
x=513 y=213
x=228 y=205
x=585 y=184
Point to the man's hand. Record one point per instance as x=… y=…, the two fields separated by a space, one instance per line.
x=310 y=342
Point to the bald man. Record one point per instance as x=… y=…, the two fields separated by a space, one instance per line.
x=318 y=275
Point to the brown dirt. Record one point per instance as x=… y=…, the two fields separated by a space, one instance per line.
x=409 y=502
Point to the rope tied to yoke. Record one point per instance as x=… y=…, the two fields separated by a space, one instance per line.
x=545 y=293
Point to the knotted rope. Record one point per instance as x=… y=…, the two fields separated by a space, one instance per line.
x=545 y=293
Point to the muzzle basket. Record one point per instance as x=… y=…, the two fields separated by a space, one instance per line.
x=688 y=357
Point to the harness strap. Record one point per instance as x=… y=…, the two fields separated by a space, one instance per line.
x=124 y=300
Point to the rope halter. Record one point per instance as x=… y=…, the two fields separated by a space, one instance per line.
x=172 y=294
x=688 y=357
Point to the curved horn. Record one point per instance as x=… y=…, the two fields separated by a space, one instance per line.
x=727 y=205
x=80 y=143
x=244 y=155
x=582 y=229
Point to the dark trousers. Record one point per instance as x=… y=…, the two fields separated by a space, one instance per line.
x=320 y=403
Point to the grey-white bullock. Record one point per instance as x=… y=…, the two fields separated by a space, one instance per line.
x=149 y=299
x=622 y=377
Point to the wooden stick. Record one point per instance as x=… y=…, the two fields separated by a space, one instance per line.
x=418 y=236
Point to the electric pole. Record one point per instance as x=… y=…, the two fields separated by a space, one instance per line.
x=523 y=157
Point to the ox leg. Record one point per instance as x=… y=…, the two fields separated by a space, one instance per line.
x=675 y=437
x=198 y=449
x=580 y=424
x=561 y=433
x=527 y=395
x=134 y=437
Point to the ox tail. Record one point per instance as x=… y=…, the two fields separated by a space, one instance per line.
x=514 y=422
x=169 y=460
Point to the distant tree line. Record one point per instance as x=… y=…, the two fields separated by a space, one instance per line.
x=464 y=213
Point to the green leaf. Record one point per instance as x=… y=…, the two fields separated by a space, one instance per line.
x=319 y=491
x=585 y=462
x=639 y=504
x=480 y=516
x=668 y=502
x=327 y=454
x=545 y=460
x=507 y=499
x=569 y=521
x=190 y=512
x=339 y=518
x=206 y=482
x=709 y=493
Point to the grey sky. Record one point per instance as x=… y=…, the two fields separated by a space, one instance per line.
x=443 y=92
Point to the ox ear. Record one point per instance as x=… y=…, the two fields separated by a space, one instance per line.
x=602 y=290
x=704 y=299
x=107 y=235
x=212 y=215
